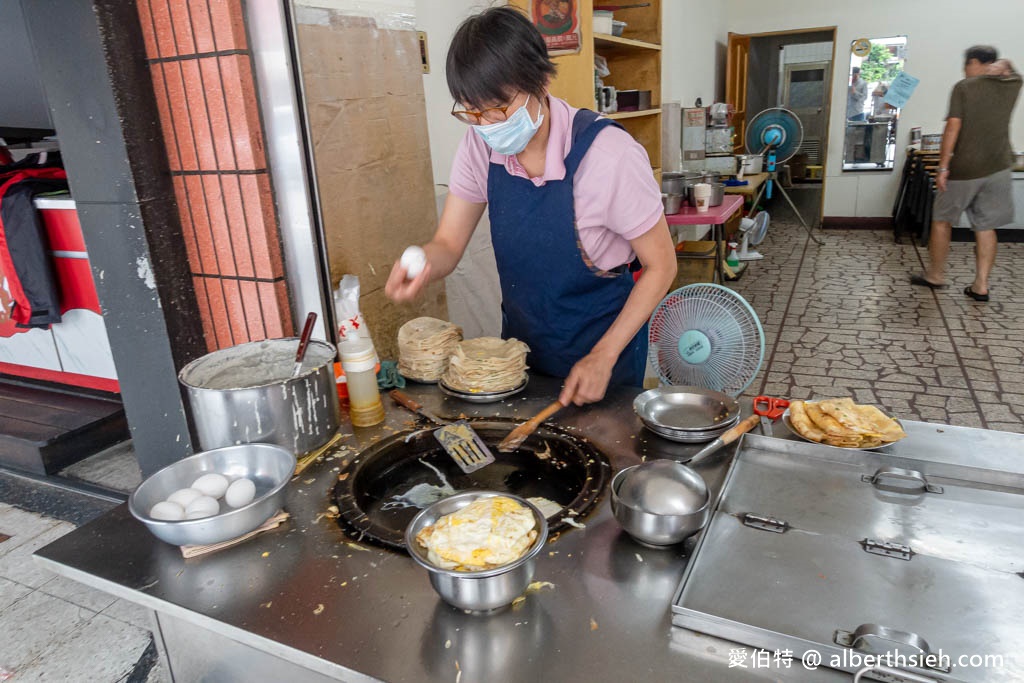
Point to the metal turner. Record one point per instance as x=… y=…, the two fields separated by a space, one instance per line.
x=458 y=438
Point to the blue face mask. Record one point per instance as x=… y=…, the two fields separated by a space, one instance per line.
x=512 y=135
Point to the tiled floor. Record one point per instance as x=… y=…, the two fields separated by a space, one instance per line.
x=840 y=319
x=56 y=629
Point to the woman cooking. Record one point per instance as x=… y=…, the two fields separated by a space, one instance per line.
x=573 y=205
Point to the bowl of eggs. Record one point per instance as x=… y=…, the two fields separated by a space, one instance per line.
x=214 y=496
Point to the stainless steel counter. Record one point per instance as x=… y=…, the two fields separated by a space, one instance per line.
x=304 y=602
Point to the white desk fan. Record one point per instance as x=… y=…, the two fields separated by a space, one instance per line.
x=754 y=231
x=708 y=336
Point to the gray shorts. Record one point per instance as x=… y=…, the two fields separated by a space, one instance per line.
x=988 y=201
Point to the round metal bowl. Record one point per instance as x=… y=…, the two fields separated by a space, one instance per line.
x=682 y=436
x=660 y=503
x=687 y=409
x=479 y=591
x=269 y=467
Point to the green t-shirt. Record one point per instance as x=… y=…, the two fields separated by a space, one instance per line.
x=983 y=104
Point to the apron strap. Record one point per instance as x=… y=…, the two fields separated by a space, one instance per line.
x=585 y=127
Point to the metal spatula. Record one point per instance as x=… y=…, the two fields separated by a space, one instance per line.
x=459 y=440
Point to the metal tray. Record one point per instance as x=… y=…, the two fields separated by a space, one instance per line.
x=481 y=396
x=686 y=408
x=789 y=425
x=819 y=549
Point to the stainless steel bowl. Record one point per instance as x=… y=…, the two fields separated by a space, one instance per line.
x=671 y=203
x=690 y=436
x=479 y=591
x=673 y=182
x=661 y=502
x=270 y=468
x=686 y=408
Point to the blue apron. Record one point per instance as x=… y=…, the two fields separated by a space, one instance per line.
x=551 y=299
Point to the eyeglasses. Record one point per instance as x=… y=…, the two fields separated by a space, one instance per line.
x=475 y=118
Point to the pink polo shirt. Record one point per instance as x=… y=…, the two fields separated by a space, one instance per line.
x=614 y=192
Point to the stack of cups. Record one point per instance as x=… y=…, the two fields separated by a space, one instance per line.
x=702 y=197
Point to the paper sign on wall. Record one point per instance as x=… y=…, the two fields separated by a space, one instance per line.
x=900 y=90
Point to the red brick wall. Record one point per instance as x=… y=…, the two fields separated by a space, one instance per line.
x=205 y=89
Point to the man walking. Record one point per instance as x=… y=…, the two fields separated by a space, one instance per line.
x=974 y=167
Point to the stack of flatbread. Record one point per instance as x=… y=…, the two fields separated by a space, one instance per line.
x=424 y=347
x=487 y=364
x=841 y=422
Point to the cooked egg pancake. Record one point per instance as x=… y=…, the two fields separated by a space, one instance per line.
x=487 y=533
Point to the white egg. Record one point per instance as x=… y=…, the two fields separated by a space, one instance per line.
x=203 y=506
x=241 y=492
x=184 y=496
x=212 y=485
x=167 y=511
x=414 y=260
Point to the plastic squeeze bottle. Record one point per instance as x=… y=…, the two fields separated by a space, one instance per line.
x=359 y=360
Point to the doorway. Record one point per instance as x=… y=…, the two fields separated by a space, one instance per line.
x=792 y=70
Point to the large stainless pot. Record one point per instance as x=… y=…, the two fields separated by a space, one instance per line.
x=245 y=394
x=673 y=182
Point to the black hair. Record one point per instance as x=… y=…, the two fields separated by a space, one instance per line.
x=986 y=54
x=494 y=55
x=856 y=69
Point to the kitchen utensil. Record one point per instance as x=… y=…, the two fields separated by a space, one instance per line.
x=770 y=409
x=379 y=492
x=727 y=438
x=717 y=195
x=457 y=438
x=481 y=396
x=518 y=435
x=680 y=436
x=749 y=163
x=675 y=182
x=477 y=591
x=269 y=467
x=660 y=502
x=618 y=27
x=300 y=354
x=789 y=425
x=672 y=203
x=708 y=336
x=246 y=394
x=686 y=408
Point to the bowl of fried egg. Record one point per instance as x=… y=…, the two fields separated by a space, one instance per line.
x=478 y=547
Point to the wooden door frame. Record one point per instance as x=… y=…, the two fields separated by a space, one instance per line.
x=828 y=128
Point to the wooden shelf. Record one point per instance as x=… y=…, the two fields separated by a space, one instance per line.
x=609 y=42
x=634 y=114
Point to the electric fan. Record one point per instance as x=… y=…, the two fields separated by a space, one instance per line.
x=754 y=231
x=778 y=132
x=708 y=336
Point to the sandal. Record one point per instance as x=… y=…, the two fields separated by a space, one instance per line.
x=974 y=295
x=919 y=281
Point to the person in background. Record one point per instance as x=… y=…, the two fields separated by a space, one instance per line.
x=856 y=96
x=573 y=204
x=878 y=106
x=974 y=167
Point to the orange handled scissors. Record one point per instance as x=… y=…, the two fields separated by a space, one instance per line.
x=770 y=409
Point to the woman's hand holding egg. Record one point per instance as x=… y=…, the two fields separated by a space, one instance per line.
x=409 y=276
